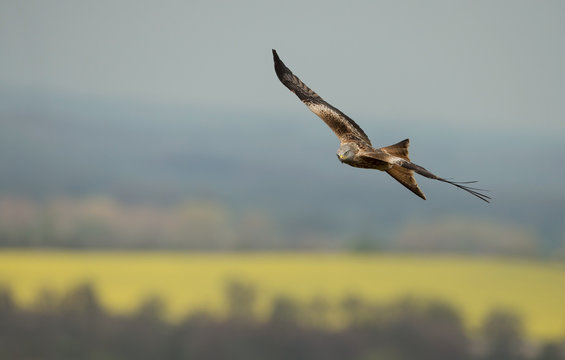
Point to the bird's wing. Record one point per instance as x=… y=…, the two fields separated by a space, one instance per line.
x=406 y=178
x=395 y=156
x=344 y=127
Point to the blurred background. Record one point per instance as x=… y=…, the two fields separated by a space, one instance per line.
x=146 y=143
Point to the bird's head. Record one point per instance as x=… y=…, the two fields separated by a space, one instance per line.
x=346 y=152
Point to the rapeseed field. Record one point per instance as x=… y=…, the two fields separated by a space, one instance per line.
x=186 y=282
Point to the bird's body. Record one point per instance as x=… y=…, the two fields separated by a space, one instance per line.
x=353 y=154
x=355 y=147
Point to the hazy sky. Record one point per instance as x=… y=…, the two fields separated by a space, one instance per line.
x=487 y=63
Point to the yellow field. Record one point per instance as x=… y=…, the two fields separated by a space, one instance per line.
x=186 y=281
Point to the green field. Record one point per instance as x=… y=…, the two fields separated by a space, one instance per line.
x=188 y=281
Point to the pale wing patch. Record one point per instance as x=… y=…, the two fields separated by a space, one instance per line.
x=321 y=110
x=338 y=122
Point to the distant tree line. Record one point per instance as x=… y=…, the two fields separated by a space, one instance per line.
x=103 y=222
x=76 y=326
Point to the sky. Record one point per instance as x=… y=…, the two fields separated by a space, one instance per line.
x=482 y=64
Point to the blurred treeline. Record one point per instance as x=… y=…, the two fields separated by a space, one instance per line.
x=76 y=326
x=103 y=222
x=78 y=171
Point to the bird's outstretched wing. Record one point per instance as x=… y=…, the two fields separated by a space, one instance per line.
x=406 y=178
x=344 y=127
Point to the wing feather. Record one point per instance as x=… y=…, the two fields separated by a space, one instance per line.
x=406 y=178
x=392 y=164
x=343 y=126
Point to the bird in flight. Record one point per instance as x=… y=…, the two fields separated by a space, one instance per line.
x=356 y=149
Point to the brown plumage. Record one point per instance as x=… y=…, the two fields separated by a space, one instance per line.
x=355 y=147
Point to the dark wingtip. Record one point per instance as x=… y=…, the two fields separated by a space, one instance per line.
x=280 y=68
